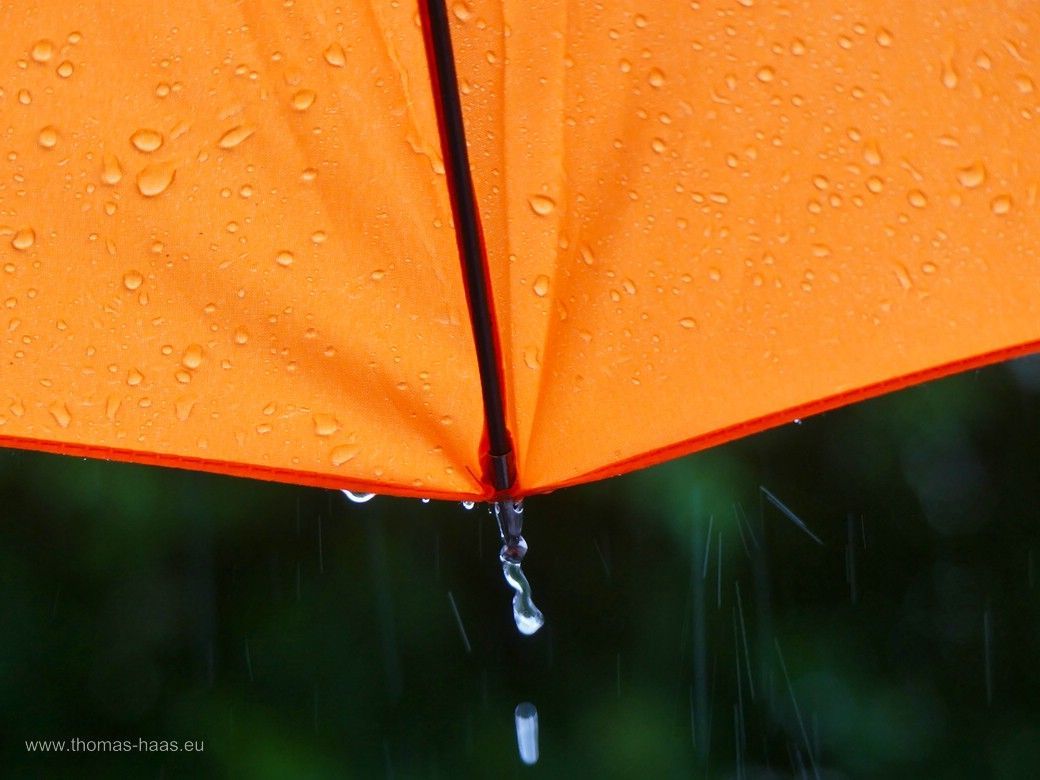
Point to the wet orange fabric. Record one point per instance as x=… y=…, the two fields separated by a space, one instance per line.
x=226 y=237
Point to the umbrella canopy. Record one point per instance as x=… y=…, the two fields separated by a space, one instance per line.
x=228 y=234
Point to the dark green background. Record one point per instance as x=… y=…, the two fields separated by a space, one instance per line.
x=300 y=635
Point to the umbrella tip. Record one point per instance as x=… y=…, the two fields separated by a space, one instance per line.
x=510 y=517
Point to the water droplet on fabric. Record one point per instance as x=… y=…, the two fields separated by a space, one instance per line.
x=765 y=74
x=60 y=412
x=972 y=176
x=23 y=239
x=192 y=357
x=146 y=140
x=132 y=280
x=883 y=37
x=66 y=69
x=235 y=136
x=285 y=258
x=111 y=170
x=154 y=180
x=335 y=56
x=541 y=286
x=304 y=99
x=688 y=322
x=48 y=137
x=917 y=199
x=1001 y=205
x=542 y=205
x=343 y=454
x=241 y=335
x=134 y=377
x=656 y=78
x=42 y=51
x=325 y=424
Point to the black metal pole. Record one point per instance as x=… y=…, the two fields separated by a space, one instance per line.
x=501 y=467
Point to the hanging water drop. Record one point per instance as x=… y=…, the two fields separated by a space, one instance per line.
x=358 y=498
x=468 y=504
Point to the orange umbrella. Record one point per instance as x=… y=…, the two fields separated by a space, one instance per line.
x=232 y=240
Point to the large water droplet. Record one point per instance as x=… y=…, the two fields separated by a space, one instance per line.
x=526 y=615
x=335 y=56
x=358 y=498
x=1001 y=205
x=111 y=170
x=146 y=140
x=42 y=50
x=343 y=454
x=325 y=424
x=154 y=180
x=542 y=205
x=48 y=137
x=304 y=99
x=132 y=280
x=23 y=239
x=60 y=413
x=235 y=136
x=192 y=357
x=972 y=176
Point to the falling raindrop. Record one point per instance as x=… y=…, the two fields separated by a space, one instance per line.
x=526 y=717
x=358 y=498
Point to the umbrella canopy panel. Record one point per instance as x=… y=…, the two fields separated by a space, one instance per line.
x=226 y=244
x=707 y=218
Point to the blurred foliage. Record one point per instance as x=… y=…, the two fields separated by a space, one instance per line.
x=693 y=628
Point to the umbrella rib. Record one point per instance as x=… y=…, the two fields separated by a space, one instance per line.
x=470 y=240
